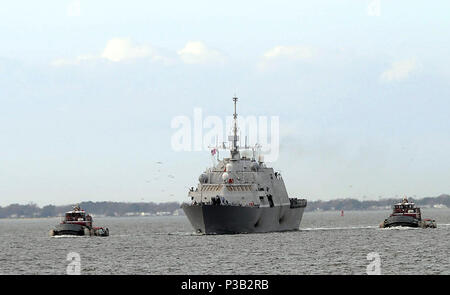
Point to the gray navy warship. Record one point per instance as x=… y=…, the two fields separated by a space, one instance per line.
x=240 y=194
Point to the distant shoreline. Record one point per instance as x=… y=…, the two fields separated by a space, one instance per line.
x=57 y=217
x=142 y=217
x=123 y=209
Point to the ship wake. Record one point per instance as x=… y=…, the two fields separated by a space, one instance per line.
x=339 y=228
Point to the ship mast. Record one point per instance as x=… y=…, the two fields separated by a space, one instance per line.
x=234 y=148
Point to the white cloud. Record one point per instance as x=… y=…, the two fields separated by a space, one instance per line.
x=117 y=50
x=399 y=70
x=280 y=54
x=196 y=52
x=289 y=52
x=60 y=62
x=121 y=49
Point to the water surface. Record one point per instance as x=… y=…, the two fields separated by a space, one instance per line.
x=326 y=243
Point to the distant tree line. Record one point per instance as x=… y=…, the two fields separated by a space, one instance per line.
x=122 y=208
x=96 y=208
x=353 y=204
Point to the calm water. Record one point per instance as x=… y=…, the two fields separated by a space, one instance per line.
x=326 y=244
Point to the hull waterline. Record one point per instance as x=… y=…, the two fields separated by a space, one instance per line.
x=69 y=229
x=214 y=219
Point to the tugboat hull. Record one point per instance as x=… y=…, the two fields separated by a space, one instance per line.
x=407 y=214
x=408 y=221
x=69 y=229
x=78 y=230
x=77 y=223
x=217 y=219
x=401 y=221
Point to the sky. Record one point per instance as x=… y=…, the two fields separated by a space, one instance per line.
x=88 y=90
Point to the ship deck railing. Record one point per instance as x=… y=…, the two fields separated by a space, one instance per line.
x=226 y=205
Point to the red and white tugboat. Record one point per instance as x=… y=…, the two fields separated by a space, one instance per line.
x=407 y=214
x=78 y=223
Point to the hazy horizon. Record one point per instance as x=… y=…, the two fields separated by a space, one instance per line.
x=88 y=90
x=416 y=198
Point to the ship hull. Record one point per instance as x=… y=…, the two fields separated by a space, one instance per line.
x=69 y=229
x=217 y=219
x=393 y=221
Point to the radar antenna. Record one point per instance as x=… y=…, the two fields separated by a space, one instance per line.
x=235 y=137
